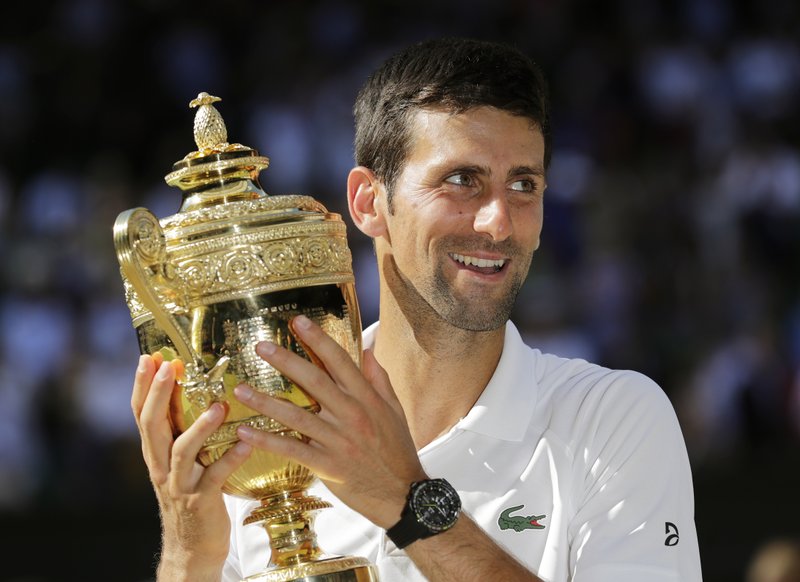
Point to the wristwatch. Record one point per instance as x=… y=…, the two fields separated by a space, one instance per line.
x=432 y=506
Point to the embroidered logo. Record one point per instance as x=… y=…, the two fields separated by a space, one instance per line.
x=519 y=522
x=672 y=534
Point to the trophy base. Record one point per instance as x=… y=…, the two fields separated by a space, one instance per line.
x=338 y=569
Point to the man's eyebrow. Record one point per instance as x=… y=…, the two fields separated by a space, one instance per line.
x=476 y=169
x=520 y=170
x=465 y=168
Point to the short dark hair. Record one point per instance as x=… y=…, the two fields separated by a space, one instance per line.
x=454 y=74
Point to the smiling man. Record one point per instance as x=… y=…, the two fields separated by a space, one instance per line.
x=465 y=215
x=458 y=452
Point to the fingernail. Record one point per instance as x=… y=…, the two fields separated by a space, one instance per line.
x=302 y=322
x=265 y=348
x=242 y=449
x=243 y=392
x=141 y=366
x=163 y=371
x=213 y=411
x=245 y=431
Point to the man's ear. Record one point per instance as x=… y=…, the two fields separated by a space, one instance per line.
x=366 y=201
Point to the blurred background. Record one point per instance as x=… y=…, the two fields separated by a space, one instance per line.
x=671 y=243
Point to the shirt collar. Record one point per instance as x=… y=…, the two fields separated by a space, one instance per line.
x=505 y=408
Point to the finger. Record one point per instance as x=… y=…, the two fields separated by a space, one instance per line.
x=288 y=414
x=338 y=363
x=187 y=446
x=310 y=377
x=307 y=349
x=290 y=447
x=179 y=368
x=145 y=370
x=154 y=422
x=218 y=472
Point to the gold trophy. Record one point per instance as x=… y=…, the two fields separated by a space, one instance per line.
x=229 y=269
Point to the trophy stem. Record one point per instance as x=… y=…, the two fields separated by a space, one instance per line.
x=288 y=518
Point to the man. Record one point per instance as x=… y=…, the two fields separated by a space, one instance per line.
x=565 y=470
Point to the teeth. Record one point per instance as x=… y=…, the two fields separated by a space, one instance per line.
x=476 y=262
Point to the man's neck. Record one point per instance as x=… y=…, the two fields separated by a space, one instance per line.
x=438 y=371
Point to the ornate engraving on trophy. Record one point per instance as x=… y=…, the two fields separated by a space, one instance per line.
x=203 y=389
x=249 y=208
x=219 y=269
x=226 y=434
x=135 y=306
x=149 y=240
x=242 y=336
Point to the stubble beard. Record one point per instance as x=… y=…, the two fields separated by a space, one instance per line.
x=476 y=312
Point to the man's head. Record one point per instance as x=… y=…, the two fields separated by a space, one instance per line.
x=452 y=75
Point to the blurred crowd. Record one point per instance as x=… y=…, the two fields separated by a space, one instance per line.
x=672 y=215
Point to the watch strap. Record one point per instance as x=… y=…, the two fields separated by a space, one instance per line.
x=410 y=528
x=407 y=531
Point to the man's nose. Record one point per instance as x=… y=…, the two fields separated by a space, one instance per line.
x=494 y=217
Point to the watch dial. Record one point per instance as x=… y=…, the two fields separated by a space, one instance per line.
x=436 y=504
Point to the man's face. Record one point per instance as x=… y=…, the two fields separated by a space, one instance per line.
x=466 y=216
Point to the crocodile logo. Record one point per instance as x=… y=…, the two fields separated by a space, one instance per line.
x=519 y=522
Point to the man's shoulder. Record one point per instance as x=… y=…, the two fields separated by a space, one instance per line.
x=565 y=374
x=574 y=390
x=571 y=382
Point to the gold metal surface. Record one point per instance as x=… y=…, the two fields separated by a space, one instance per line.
x=324 y=570
x=230 y=269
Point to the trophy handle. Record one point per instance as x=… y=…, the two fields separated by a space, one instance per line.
x=142 y=250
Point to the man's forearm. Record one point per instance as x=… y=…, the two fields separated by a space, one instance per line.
x=179 y=567
x=466 y=553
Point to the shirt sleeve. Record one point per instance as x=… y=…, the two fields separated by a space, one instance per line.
x=633 y=498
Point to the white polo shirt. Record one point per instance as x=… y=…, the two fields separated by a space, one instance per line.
x=579 y=471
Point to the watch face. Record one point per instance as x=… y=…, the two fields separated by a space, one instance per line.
x=436 y=504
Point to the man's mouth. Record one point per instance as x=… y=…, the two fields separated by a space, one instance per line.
x=480 y=265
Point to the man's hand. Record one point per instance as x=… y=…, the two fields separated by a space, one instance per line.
x=360 y=445
x=195 y=524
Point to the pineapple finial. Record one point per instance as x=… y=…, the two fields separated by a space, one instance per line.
x=209 y=128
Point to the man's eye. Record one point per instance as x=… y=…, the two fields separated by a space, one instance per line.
x=523 y=186
x=460 y=180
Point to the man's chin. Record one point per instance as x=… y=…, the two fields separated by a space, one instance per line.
x=473 y=309
x=478 y=320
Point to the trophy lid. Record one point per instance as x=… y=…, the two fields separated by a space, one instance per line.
x=221 y=192
x=215 y=162
x=229 y=240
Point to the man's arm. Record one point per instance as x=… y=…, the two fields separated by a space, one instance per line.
x=361 y=448
x=466 y=553
x=631 y=484
x=194 y=521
